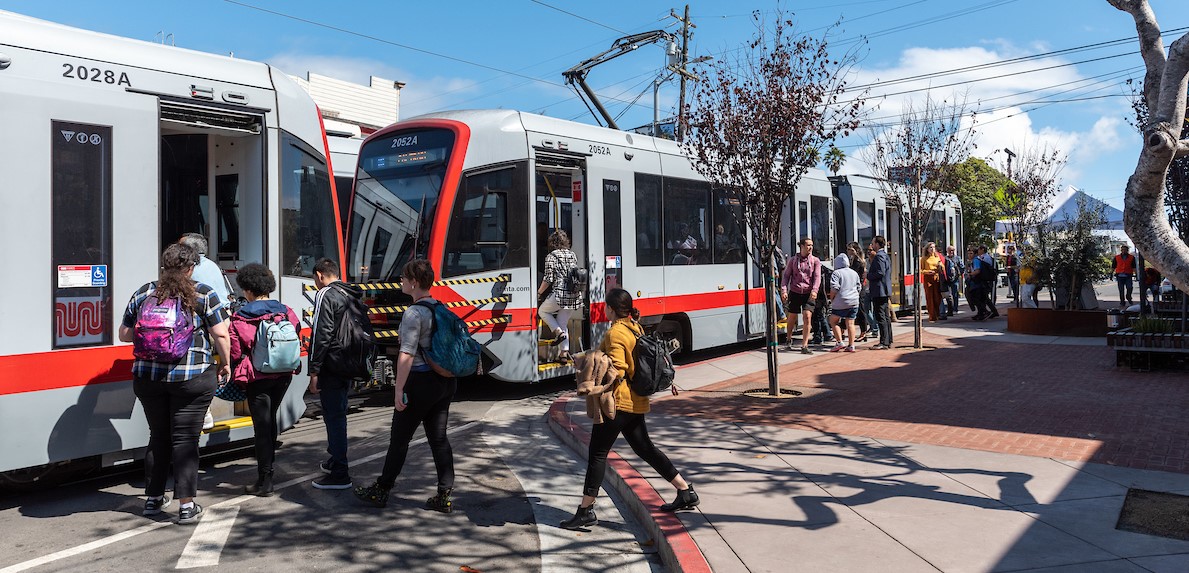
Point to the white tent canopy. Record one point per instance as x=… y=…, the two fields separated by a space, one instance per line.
x=1065 y=208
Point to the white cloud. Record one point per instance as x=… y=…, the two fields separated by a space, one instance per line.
x=1002 y=120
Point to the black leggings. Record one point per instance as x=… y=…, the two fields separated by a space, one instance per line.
x=429 y=405
x=174 y=411
x=264 y=399
x=603 y=436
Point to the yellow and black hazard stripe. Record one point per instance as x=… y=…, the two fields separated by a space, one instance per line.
x=392 y=333
x=309 y=312
x=396 y=286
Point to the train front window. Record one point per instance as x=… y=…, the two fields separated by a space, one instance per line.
x=307 y=210
x=396 y=191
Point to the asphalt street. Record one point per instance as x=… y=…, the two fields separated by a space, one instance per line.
x=515 y=483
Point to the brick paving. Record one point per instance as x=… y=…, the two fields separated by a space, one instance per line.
x=1063 y=402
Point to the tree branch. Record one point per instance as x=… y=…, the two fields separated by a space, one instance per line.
x=1150 y=44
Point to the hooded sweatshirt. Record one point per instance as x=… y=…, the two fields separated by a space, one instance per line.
x=844 y=283
x=244 y=326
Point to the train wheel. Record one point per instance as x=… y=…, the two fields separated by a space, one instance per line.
x=46 y=476
x=673 y=331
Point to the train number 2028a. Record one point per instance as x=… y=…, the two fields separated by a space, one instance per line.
x=96 y=75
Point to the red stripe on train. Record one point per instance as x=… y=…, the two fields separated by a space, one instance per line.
x=71 y=368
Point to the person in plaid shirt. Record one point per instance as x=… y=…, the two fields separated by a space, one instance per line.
x=565 y=296
x=176 y=395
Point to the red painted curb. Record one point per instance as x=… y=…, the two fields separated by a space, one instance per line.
x=676 y=546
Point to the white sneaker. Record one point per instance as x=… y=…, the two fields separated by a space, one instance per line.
x=209 y=421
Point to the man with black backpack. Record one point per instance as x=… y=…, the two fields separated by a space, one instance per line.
x=340 y=351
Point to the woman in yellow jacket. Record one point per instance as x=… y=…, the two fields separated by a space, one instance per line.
x=932 y=273
x=630 y=408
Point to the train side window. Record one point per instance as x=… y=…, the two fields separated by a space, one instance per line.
x=481 y=236
x=728 y=244
x=687 y=222
x=802 y=221
x=379 y=253
x=935 y=229
x=81 y=224
x=648 y=221
x=307 y=210
x=865 y=221
x=820 y=227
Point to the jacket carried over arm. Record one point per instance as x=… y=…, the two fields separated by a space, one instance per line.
x=329 y=306
x=597 y=379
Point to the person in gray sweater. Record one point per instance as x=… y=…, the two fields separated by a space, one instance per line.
x=844 y=305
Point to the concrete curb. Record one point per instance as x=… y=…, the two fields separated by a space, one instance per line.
x=676 y=547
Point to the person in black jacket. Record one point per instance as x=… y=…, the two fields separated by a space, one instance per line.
x=879 y=283
x=330 y=386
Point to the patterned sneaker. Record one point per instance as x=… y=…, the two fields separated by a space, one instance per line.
x=837 y=348
x=155 y=505
x=373 y=494
x=849 y=349
x=806 y=350
x=441 y=502
x=191 y=514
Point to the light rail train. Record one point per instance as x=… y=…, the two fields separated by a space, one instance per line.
x=478 y=193
x=113 y=148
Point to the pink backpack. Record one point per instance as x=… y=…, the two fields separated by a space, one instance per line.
x=164 y=330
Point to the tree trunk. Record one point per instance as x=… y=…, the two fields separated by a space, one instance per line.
x=917 y=324
x=771 y=296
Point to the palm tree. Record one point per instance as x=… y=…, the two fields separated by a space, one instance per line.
x=834 y=159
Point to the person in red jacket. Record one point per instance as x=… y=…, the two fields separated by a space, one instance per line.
x=1124 y=274
x=265 y=391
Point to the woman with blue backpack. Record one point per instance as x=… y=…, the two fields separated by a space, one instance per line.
x=265 y=354
x=175 y=326
x=627 y=417
x=423 y=391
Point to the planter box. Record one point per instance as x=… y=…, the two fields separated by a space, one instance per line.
x=1046 y=321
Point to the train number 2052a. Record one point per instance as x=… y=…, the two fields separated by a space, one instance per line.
x=96 y=75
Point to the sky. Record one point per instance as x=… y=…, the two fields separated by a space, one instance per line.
x=469 y=54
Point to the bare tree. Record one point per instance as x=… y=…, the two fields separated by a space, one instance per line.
x=757 y=123
x=1027 y=198
x=1165 y=83
x=915 y=158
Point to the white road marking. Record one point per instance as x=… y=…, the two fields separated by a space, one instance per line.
x=209 y=537
x=235 y=501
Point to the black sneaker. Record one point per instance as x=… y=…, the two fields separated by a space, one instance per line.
x=325 y=467
x=188 y=515
x=374 y=494
x=331 y=482
x=154 y=506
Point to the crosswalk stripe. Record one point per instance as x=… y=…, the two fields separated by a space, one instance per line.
x=209 y=537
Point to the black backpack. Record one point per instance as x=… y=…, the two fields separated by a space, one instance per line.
x=654 y=366
x=354 y=346
x=578 y=277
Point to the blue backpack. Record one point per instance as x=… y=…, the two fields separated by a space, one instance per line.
x=452 y=352
x=277 y=348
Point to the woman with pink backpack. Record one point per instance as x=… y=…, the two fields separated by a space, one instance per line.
x=265 y=354
x=176 y=325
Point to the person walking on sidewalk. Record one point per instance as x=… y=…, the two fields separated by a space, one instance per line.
x=564 y=296
x=798 y=285
x=1011 y=266
x=879 y=280
x=176 y=326
x=421 y=397
x=326 y=381
x=265 y=390
x=1124 y=274
x=627 y=418
x=982 y=277
x=844 y=302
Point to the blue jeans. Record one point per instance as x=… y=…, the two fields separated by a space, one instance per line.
x=1124 y=281
x=954 y=296
x=332 y=393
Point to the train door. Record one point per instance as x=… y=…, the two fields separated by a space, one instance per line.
x=212 y=182
x=560 y=190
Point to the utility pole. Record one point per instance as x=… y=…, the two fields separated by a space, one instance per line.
x=685 y=26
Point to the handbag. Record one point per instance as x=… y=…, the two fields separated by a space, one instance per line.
x=231 y=392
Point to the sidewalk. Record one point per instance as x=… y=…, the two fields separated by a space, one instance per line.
x=987 y=452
